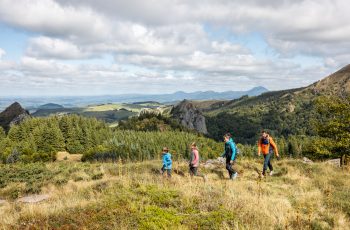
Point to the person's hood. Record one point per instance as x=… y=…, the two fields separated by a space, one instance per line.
x=231 y=140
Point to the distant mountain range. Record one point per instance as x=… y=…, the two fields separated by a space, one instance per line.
x=33 y=103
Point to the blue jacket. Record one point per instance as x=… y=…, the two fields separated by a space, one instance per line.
x=230 y=150
x=167 y=162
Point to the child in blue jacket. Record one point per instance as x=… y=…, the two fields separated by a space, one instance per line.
x=167 y=162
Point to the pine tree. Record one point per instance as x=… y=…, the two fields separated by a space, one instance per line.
x=13 y=157
x=2 y=133
x=335 y=127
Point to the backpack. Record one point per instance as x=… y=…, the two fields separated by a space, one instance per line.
x=265 y=141
x=238 y=152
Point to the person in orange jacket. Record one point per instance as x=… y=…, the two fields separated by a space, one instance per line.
x=267 y=147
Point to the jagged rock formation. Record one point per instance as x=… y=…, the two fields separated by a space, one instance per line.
x=190 y=116
x=14 y=114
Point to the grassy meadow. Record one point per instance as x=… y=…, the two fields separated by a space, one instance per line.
x=135 y=196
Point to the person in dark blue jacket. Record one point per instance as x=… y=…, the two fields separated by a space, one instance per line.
x=167 y=162
x=230 y=155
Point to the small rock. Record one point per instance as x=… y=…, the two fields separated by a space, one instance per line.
x=209 y=165
x=335 y=162
x=2 y=202
x=307 y=160
x=212 y=163
x=33 y=198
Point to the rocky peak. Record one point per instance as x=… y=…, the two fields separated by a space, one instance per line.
x=190 y=116
x=14 y=114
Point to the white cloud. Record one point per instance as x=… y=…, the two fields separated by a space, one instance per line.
x=2 y=53
x=5 y=65
x=47 y=47
x=171 y=41
x=50 y=18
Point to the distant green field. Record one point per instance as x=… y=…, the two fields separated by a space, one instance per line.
x=100 y=108
x=109 y=107
x=110 y=113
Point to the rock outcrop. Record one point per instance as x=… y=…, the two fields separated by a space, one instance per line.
x=14 y=114
x=190 y=116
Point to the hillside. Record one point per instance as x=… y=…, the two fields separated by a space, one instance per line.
x=136 y=196
x=285 y=112
x=337 y=84
x=51 y=106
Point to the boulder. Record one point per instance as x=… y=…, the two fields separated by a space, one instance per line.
x=307 y=160
x=335 y=162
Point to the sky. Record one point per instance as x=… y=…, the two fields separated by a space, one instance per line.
x=89 y=47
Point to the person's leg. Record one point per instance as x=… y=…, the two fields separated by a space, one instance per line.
x=195 y=171
x=169 y=172
x=269 y=162
x=234 y=171
x=230 y=169
x=192 y=171
x=266 y=162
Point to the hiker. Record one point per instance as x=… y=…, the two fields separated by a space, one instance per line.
x=194 y=160
x=167 y=162
x=267 y=146
x=230 y=155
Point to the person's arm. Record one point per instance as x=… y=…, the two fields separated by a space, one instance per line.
x=224 y=153
x=233 y=148
x=191 y=157
x=169 y=160
x=259 y=146
x=195 y=157
x=164 y=161
x=274 y=146
x=228 y=150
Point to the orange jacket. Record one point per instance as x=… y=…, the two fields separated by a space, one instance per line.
x=265 y=148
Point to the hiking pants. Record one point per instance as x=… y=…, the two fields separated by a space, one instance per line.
x=168 y=171
x=230 y=168
x=193 y=171
x=267 y=162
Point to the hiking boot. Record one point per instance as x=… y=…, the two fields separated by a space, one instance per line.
x=234 y=176
x=262 y=175
x=271 y=173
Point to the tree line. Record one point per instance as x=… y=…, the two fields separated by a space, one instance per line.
x=141 y=138
x=39 y=139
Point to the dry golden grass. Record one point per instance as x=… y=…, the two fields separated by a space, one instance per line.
x=134 y=196
x=65 y=156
